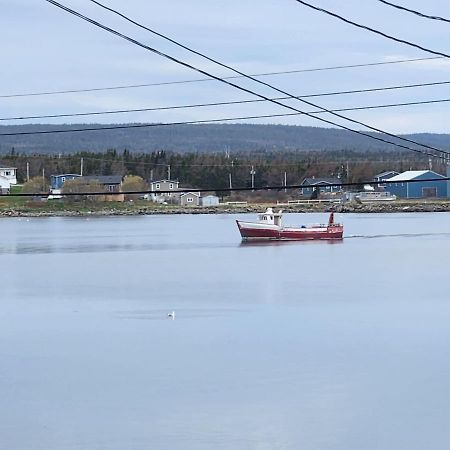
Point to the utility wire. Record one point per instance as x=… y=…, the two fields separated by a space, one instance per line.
x=184 y=64
x=413 y=11
x=173 y=41
x=234 y=164
x=200 y=80
x=239 y=102
x=261 y=188
x=373 y=30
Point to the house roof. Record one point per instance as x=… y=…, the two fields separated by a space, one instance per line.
x=412 y=174
x=67 y=175
x=104 y=179
x=165 y=181
x=8 y=168
x=191 y=193
x=383 y=174
x=314 y=181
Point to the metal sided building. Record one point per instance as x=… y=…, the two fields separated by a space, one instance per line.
x=420 y=188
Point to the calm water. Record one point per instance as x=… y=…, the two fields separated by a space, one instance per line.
x=312 y=346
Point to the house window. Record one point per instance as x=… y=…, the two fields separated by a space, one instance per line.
x=190 y=200
x=111 y=187
x=157 y=186
x=7 y=173
x=171 y=186
x=63 y=179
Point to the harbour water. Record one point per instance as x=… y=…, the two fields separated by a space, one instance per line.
x=303 y=345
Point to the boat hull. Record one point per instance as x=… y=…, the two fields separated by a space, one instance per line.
x=255 y=231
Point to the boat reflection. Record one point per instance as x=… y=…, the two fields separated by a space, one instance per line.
x=278 y=242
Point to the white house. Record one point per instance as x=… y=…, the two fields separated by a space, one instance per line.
x=10 y=173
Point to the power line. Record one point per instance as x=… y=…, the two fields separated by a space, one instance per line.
x=255 y=188
x=413 y=11
x=200 y=80
x=373 y=30
x=237 y=164
x=184 y=64
x=239 y=102
x=215 y=61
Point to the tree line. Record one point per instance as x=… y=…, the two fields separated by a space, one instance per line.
x=215 y=171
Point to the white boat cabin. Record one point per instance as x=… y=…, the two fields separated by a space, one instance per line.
x=270 y=217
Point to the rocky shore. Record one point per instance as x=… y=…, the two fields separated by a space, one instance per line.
x=73 y=210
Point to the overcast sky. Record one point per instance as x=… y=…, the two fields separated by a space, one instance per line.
x=46 y=49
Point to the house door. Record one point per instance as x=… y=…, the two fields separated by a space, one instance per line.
x=428 y=192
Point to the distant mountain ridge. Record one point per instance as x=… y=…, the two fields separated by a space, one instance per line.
x=203 y=138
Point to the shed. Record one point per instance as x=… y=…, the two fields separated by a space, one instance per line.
x=210 y=200
x=190 y=199
x=414 y=184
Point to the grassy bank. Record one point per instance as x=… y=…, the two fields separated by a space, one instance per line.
x=28 y=207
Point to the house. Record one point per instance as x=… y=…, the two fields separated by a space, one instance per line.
x=190 y=199
x=109 y=183
x=379 y=178
x=163 y=185
x=413 y=184
x=5 y=186
x=325 y=185
x=209 y=200
x=10 y=173
x=57 y=181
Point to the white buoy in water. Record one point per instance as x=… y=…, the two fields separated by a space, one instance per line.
x=171 y=315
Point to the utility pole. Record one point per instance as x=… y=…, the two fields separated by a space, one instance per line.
x=230 y=174
x=430 y=164
x=151 y=175
x=252 y=173
x=285 y=182
x=43 y=179
x=168 y=172
x=81 y=166
x=28 y=171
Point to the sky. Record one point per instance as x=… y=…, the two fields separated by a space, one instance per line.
x=46 y=49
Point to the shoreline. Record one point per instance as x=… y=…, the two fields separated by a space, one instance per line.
x=62 y=210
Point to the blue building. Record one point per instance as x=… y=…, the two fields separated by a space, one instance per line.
x=420 y=188
x=448 y=182
x=57 y=181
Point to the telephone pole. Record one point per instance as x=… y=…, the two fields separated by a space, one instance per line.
x=252 y=173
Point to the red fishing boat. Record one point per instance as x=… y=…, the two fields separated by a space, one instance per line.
x=269 y=227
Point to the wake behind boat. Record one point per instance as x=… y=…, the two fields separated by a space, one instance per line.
x=270 y=227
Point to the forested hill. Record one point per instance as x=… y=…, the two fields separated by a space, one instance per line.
x=197 y=138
